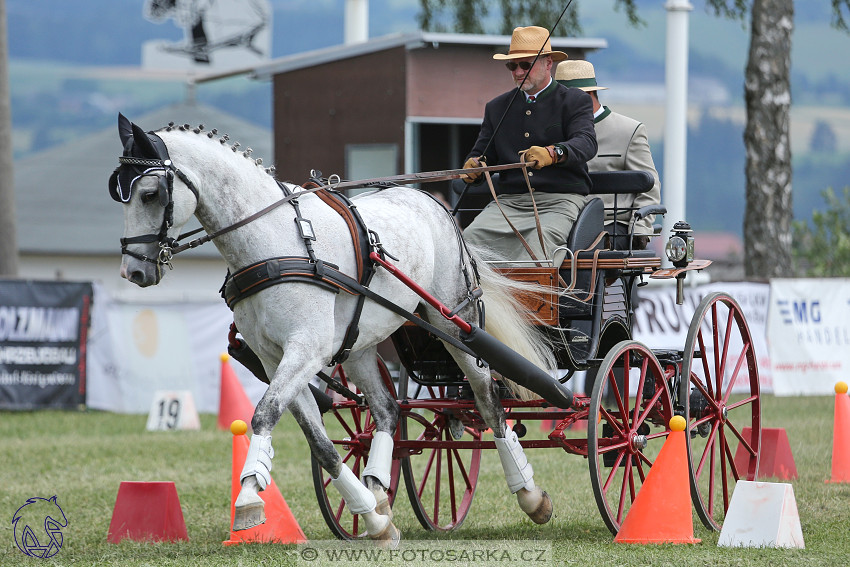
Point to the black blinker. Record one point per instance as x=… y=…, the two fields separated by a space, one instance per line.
x=164 y=193
x=113 y=185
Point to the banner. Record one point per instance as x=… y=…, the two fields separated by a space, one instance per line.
x=136 y=349
x=809 y=334
x=662 y=324
x=43 y=327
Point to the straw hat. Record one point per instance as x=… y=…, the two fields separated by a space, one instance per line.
x=526 y=42
x=577 y=73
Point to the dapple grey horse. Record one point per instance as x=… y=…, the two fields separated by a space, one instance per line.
x=165 y=177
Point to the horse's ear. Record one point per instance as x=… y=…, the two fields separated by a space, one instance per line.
x=125 y=129
x=143 y=143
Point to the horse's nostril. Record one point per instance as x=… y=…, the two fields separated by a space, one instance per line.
x=137 y=277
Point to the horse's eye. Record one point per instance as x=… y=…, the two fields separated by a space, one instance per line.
x=149 y=196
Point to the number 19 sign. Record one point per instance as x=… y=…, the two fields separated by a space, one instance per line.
x=172 y=410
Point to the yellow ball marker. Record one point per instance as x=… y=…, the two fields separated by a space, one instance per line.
x=238 y=427
x=678 y=423
x=841 y=388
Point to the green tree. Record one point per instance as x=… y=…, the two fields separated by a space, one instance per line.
x=470 y=16
x=822 y=249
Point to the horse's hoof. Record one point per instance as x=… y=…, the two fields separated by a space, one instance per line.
x=543 y=512
x=383 y=506
x=390 y=536
x=249 y=516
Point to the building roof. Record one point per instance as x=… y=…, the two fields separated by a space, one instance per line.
x=408 y=40
x=62 y=202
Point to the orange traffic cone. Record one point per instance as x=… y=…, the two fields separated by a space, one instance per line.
x=841 y=436
x=233 y=402
x=661 y=512
x=280 y=525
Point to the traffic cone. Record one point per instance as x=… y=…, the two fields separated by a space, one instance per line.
x=775 y=458
x=841 y=436
x=661 y=512
x=233 y=402
x=147 y=511
x=280 y=525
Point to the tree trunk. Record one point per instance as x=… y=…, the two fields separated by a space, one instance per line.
x=767 y=221
x=8 y=233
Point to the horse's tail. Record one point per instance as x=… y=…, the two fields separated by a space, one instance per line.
x=509 y=321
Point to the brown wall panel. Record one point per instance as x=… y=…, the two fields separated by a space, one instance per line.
x=318 y=110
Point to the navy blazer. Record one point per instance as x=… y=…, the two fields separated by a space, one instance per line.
x=560 y=115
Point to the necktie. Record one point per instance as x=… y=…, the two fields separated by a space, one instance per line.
x=531 y=98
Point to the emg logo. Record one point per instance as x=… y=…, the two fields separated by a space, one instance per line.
x=38 y=527
x=799 y=311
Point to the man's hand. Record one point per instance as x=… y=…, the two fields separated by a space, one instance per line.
x=472 y=176
x=543 y=156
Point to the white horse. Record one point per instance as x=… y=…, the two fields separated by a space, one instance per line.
x=296 y=327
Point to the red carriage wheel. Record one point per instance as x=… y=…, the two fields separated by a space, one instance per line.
x=345 y=423
x=440 y=478
x=721 y=397
x=625 y=431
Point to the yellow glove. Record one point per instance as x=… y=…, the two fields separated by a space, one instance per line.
x=543 y=156
x=472 y=176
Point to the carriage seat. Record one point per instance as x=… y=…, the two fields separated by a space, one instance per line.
x=621 y=183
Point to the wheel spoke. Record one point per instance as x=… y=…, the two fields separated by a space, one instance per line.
x=618 y=460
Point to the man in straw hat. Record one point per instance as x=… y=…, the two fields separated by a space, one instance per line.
x=623 y=145
x=545 y=124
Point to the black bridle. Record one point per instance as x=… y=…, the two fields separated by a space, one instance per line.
x=166 y=193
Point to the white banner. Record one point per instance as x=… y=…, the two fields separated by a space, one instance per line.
x=661 y=324
x=136 y=349
x=809 y=334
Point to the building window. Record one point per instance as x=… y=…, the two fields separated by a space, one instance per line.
x=367 y=161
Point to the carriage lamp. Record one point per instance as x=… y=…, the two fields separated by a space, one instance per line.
x=680 y=246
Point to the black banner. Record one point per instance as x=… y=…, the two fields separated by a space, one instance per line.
x=43 y=328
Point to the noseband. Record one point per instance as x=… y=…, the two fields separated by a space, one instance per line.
x=166 y=191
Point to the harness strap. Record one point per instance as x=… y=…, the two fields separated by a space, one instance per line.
x=513 y=228
x=365 y=269
x=252 y=279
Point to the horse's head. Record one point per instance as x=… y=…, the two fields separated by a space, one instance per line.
x=158 y=200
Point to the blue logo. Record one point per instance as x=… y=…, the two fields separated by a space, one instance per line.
x=38 y=527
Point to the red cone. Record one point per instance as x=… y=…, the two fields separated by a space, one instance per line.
x=661 y=512
x=147 y=511
x=280 y=525
x=841 y=436
x=233 y=402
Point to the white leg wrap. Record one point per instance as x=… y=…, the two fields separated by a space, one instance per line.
x=380 y=458
x=258 y=462
x=518 y=471
x=358 y=498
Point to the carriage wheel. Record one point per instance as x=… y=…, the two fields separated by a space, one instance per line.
x=719 y=355
x=440 y=480
x=347 y=421
x=625 y=434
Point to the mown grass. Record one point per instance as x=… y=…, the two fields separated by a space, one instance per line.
x=82 y=457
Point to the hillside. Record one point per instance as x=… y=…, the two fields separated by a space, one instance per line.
x=72 y=69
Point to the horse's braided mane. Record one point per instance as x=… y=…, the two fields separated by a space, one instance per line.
x=224 y=139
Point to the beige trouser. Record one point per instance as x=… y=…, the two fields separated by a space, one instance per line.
x=557 y=212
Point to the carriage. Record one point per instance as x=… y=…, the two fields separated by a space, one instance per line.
x=421 y=417
x=626 y=413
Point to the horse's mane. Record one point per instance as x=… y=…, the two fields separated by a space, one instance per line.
x=224 y=140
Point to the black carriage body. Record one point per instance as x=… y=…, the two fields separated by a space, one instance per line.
x=593 y=315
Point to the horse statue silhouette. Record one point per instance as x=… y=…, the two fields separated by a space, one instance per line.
x=38 y=527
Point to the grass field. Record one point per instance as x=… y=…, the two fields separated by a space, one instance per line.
x=82 y=457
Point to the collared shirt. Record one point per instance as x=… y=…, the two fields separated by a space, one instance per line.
x=528 y=96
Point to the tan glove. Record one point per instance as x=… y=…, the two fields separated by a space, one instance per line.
x=472 y=176
x=543 y=156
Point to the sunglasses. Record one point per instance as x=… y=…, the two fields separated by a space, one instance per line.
x=524 y=65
